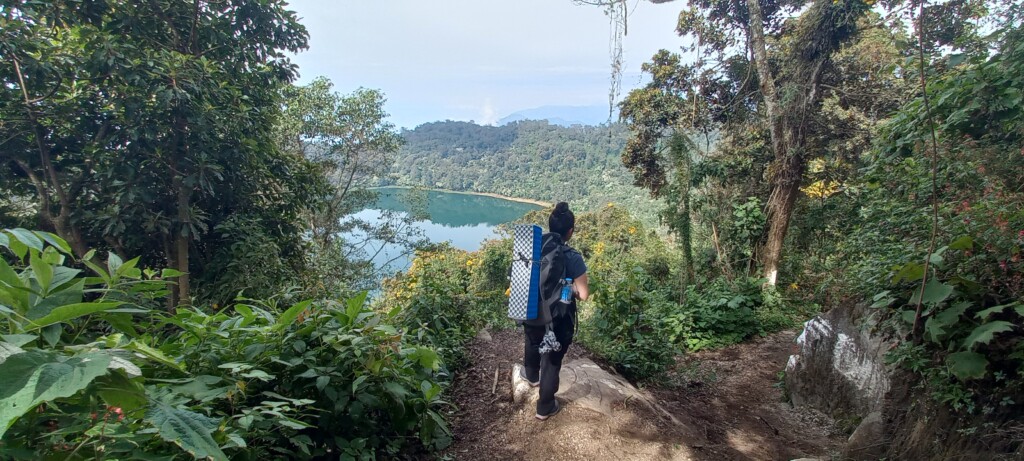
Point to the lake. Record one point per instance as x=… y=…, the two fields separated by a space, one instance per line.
x=465 y=220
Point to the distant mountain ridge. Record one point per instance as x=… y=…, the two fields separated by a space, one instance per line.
x=563 y=115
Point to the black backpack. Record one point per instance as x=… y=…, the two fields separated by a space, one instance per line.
x=553 y=262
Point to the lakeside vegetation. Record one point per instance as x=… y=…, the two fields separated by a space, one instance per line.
x=189 y=292
x=529 y=159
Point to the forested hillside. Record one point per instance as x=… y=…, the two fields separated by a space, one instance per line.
x=528 y=159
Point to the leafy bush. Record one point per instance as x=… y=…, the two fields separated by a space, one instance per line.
x=93 y=371
x=626 y=325
x=968 y=345
x=718 y=314
x=321 y=379
x=437 y=300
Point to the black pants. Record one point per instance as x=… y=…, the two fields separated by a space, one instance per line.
x=546 y=367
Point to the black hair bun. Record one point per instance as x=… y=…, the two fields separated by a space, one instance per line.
x=561 y=208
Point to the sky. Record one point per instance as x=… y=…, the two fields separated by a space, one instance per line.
x=477 y=60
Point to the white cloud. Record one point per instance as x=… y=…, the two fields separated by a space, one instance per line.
x=488 y=116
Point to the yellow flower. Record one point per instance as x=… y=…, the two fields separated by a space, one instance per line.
x=632 y=229
x=508 y=291
x=610 y=204
x=821 y=189
x=599 y=248
x=794 y=286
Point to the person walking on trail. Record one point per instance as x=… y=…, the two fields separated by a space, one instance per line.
x=542 y=363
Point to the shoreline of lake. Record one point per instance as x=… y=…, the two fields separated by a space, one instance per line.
x=483 y=194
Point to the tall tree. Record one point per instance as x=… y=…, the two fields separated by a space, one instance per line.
x=788 y=75
x=131 y=119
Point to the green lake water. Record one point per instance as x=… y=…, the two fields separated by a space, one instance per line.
x=465 y=220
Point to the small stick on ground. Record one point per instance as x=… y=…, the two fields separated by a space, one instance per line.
x=494 y=387
x=776 y=431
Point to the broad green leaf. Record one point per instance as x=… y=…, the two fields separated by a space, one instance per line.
x=204 y=388
x=128 y=268
x=154 y=354
x=935 y=330
x=984 y=333
x=19 y=340
x=70 y=293
x=170 y=273
x=55 y=240
x=357 y=382
x=26 y=237
x=72 y=311
x=908 y=316
x=63 y=275
x=121 y=322
x=9 y=292
x=244 y=310
x=52 y=257
x=125 y=365
x=42 y=271
x=114 y=262
x=117 y=390
x=936 y=292
x=427 y=358
x=355 y=304
x=19 y=249
x=189 y=430
x=289 y=316
x=7 y=350
x=951 y=315
x=34 y=377
x=51 y=334
x=4 y=240
x=258 y=374
x=909 y=272
x=1020 y=310
x=985 y=314
x=967 y=365
x=962 y=243
x=293 y=423
x=99 y=270
x=322 y=382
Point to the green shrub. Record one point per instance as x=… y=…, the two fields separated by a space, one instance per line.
x=436 y=299
x=92 y=370
x=724 y=312
x=319 y=379
x=626 y=325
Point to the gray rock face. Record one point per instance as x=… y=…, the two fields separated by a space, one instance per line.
x=839 y=367
x=582 y=383
x=866 y=441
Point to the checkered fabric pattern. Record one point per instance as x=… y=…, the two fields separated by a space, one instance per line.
x=524 y=297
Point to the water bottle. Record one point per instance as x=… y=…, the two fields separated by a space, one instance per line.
x=566 y=291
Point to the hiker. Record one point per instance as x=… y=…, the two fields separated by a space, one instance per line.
x=541 y=369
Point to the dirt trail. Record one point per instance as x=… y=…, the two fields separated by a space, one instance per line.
x=726 y=401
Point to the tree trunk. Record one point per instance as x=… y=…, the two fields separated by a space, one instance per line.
x=172 y=261
x=181 y=238
x=781 y=202
x=61 y=222
x=182 y=234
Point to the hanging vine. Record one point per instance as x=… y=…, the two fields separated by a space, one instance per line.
x=618 y=14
